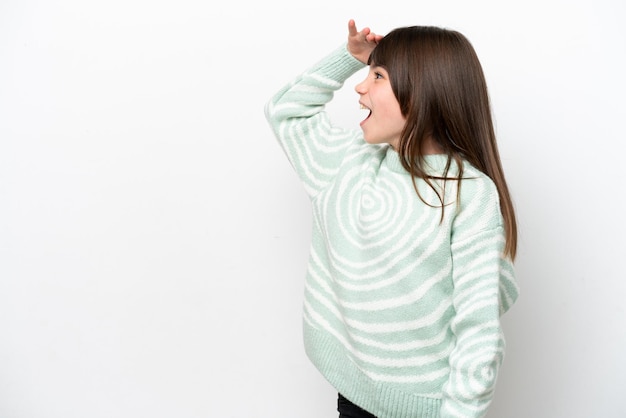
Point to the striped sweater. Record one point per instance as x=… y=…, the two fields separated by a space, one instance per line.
x=401 y=309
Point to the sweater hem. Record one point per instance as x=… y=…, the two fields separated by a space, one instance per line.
x=336 y=366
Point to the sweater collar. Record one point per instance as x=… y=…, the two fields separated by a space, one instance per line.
x=435 y=163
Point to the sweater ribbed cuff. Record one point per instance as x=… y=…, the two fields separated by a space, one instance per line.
x=338 y=65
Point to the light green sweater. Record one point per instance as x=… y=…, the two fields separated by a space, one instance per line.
x=401 y=311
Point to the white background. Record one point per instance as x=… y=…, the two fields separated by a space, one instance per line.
x=153 y=238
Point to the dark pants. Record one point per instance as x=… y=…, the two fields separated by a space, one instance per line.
x=349 y=410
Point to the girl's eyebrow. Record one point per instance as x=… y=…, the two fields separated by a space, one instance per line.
x=378 y=67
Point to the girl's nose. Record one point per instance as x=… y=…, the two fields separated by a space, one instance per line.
x=360 y=88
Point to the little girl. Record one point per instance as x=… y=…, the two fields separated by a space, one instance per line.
x=414 y=232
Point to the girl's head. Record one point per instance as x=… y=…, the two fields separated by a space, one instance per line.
x=441 y=93
x=439 y=84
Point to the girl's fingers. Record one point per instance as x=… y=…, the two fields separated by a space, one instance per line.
x=352 y=28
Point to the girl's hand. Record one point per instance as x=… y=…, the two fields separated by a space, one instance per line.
x=361 y=44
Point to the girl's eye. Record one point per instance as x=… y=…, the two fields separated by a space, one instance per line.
x=378 y=75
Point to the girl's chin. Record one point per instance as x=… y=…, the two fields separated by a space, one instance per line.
x=376 y=141
x=373 y=141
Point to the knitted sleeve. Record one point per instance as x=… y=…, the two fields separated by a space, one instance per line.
x=484 y=288
x=296 y=115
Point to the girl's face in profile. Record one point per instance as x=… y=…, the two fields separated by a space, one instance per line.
x=384 y=122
